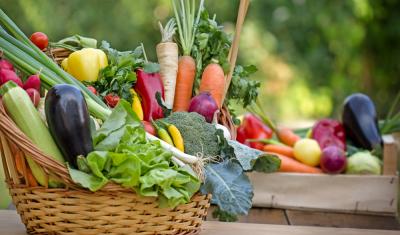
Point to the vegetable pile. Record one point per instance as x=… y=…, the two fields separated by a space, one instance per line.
x=113 y=117
x=352 y=145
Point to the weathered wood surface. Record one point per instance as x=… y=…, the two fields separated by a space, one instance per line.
x=10 y=225
x=366 y=194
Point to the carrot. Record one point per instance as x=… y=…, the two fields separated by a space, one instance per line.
x=213 y=81
x=186 y=24
x=291 y=165
x=184 y=83
x=287 y=136
x=18 y=158
x=281 y=149
x=167 y=54
x=30 y=178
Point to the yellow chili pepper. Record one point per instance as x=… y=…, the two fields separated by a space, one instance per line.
x=176 y=136
x=163 y=134
x=85 y=64
x=136 y=105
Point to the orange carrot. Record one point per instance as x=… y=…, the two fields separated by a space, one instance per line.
x=30 y=178
x=213 y=81
x=186 y=22
x=287 y=136
x=184 y=83
x=18 y=158
x=291 y=165
x=280 y=149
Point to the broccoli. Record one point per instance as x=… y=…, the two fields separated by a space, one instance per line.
x=198 y=136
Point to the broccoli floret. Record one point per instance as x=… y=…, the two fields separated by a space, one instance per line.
x=198 y=135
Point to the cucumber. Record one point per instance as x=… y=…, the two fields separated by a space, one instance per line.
x=22 y=111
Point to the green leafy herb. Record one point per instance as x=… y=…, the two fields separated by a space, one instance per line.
x=119 y=76
x=242 y=89
x=123 y=155
x=211 y=43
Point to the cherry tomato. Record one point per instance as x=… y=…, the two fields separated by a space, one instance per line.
x=40 y=40
x=111 y=100
x=92 y=89
x=149 y=127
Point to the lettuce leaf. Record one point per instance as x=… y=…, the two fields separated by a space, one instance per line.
x=124 y=156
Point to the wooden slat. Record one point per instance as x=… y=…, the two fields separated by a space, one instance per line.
x=390 y=155
x=342 y=220
x=365 y=194
x=217 y=228
x=258 y=216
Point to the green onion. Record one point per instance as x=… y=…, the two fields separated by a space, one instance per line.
x=43 y=58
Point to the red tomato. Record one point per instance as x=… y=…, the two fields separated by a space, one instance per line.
x=111 y=100
x=40 y=40
x=92 y=89
x=149 y=127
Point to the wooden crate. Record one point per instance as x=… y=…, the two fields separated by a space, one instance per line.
x=367 y=194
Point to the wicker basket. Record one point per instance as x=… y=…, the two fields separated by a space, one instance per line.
x=72 y=210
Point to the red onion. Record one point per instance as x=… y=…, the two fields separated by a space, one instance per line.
x=204 y=105
x=333 y=160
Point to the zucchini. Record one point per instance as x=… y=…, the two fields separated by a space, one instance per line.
x=22 y=111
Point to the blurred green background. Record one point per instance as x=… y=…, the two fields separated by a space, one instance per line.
x=311 y=54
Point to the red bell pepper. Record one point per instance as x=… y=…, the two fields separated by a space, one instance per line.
x=147 y=86
x=253 y=128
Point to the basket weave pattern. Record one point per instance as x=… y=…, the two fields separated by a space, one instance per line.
x=74 y=211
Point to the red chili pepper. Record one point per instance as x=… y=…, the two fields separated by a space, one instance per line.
x=253 y=128
x=111 y=100
x=147 y=85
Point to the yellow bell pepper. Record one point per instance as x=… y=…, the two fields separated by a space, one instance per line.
x=85 y=64
x=136 y=105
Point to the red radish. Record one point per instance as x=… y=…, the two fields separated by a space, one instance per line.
x=111 y=100
x=9 y=75
x=40 y=40
x=33 y=81
x=333 y=160
x=149 y=128
x=329 y=132
x=92 y=89
x=5 y=64
x=34 y=95
x=205 y=105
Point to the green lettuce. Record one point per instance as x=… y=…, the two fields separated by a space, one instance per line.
x=124 y=156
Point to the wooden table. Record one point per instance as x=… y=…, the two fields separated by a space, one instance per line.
x=10 y=224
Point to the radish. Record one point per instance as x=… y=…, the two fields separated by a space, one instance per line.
x=33 y=81
x=34 y=95
x=5 y=64
x=9 y=75
x=329 y=132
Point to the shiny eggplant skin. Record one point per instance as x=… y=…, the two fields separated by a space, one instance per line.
x=360 y=121
x=69 y=121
